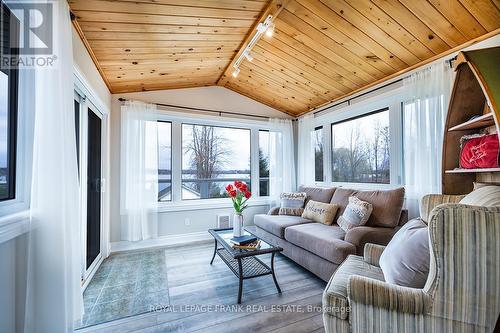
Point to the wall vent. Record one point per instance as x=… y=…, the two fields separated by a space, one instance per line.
x=224 y=221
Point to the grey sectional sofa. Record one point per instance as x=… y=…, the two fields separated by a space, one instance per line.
x=322 y=248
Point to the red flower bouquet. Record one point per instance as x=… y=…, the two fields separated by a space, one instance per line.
x=239 y=194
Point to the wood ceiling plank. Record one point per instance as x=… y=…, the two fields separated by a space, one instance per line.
x=349 y=49
x=160 y=28
x=260 y=93
x=460 y=17
x=128 y=57
x=344 y=67
x=251 y=5
x=485 y=12
x=422 y=32
x=318 y=59
x=92 y=16
x=162 y=44
x=285 y=59
x=296 y=90
x=158 y=81
x=381 y=37
x=335 y=80
x=294 y=75
x=331 y=48
x=141 y=36
x=177 y=50
x=375 y=49
x=256 y=96
x=272 y=10
x=160 y=9
x=391 y=27
x=163 y=86
x=432 y=18
x=165 y=73
x=165 y=66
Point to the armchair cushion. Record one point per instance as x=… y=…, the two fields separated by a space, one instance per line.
x=335 y=295
x=405 y=260
x=375 y=292
x=359 y=236
x=486 y=196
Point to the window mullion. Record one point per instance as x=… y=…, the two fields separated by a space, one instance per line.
x=176 y=161
x=254 y=165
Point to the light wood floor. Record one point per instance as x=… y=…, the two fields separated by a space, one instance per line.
x=196 y=289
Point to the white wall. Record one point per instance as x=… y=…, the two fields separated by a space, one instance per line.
x=216 y=98
x=85 y=66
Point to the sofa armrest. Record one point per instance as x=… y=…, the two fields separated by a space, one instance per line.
x=273 y=211
x=372 y=253
x=430 y=201
x=359 y=236
x=381 y=294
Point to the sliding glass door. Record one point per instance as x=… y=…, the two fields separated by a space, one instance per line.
x=93 y=187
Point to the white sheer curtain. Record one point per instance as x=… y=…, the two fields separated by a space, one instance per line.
x=139 y=171
x=425 y=110
x=305 y=158
x=53 y=293
x=281 y=157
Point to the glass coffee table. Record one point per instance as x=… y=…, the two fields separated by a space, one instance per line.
x=244 y=263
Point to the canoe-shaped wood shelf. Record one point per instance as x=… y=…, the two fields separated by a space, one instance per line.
x=473 y=109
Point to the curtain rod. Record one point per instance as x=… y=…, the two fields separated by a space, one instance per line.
x=220 y=113
x=449 y=61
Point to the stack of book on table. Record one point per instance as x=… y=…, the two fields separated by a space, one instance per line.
x=245 y=242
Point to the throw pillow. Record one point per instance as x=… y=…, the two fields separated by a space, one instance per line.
x=479 y=151
x=292 y=203
x=486 y=196
x=405 y=260
x=320 y=212
x=355 y=214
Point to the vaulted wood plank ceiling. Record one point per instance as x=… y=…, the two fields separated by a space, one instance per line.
x=320 y=51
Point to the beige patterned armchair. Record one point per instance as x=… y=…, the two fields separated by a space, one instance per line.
x=462 y=293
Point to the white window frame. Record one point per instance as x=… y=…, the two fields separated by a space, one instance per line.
x=392 y=101
x=177 y=119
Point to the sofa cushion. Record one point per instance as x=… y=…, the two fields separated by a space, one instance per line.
x=355 y=214
x=292 y=203
x=320 y=194
x=320 y=212
x=486 y=196
x=276 y=224
x=335 y=294
x=323 y=240
x=387 y=205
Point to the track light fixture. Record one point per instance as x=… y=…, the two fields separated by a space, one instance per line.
x=248 y=56
x=266 y=27
x=236 y=72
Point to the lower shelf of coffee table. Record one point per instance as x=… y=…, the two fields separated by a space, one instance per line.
x=251 y=266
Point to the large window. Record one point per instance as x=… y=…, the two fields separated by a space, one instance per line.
x=164 y=161
x=317 y=141
x=213 y=157
x=361 y=149
x=263 y=163
x=8 y=110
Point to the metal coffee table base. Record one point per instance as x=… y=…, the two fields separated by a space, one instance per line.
x=246 y=267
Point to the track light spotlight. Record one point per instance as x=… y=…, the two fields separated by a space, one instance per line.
x=270 y=30
x=236 y=72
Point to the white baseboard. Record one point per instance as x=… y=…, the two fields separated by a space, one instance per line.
x=172 y=240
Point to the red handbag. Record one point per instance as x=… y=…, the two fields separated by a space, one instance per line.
x=480 y=152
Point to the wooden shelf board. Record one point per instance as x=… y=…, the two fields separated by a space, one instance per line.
x=473 y=170
x=483 y=121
